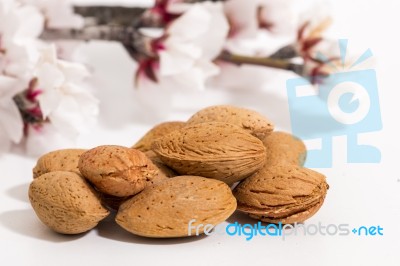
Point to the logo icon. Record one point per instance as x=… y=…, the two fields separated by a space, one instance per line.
x=345 y=104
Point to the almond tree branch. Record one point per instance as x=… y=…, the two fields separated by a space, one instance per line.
x=89 y=33
x=110 y=15
x=118 y=15
x=262 y=61
x=285 y=52
x=131 y=40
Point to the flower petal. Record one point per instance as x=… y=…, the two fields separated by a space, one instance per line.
x=49 y=101
x=73 y=71
x=12 y=122
x=10 y=117
x=31 y=22
x=45 y=139
x=242 y=15
x=49 y=76
x=5 y=142
x=192 y=24
x=178 y=57
x=218 y=28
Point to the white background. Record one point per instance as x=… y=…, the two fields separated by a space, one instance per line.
x=359 y=194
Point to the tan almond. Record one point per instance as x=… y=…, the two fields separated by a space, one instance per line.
x=117 y=170
x=65 y=202
x=60 y=160
x=216 y=150
x=251 y=121
x=282 y=193
x=166 y=209
x=165 y=171
x=284 y=148
x=144 y=144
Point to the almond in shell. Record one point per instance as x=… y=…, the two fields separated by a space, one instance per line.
x=117 y=170
x=251 y=121
x=144 y=144
x=165 y=210
x=164 y=170
x=60 y=160
x=284 y=148
x=282 y=193
x=216 y=150
x=65 y=202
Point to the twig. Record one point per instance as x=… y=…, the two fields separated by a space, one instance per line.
x=110 y=15
x=262 y=61
x=285 y=52
x=118 y=15
x=109 y=33
x=134 y=43
x=122 y=24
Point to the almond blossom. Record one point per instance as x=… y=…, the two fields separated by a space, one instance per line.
x=248 y=17
x=319 y=53
x=183 y=55
x=68 y=107
x=20 y=25
x=11 y=124
x=259 y=23
x=38 y=92
x=57 y=13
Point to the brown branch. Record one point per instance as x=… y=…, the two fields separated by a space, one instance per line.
x=261 y=61
x=108 y=33
x=117 y=15
x=110 y=15
x=136 y=44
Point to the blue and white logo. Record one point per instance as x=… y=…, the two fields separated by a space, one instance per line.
x=346 y=103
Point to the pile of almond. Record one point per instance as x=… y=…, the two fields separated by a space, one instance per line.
x=177 y=172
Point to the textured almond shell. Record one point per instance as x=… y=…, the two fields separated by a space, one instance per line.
x=293 y=218
x=251 y=121
x=164 y=170
x=216 y=150
x=65 y=202
x=60 y=160
x=284 y=148
x=144 y=144
x=283 y=193
x=117 y=170
x=165 y=209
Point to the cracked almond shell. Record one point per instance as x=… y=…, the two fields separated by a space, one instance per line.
x=165 y=209
x=216 y=150
x=284 y=148
x=282 y=193
x=117 y=170
x=65 y=202
x=251 y=121
x=60 y=160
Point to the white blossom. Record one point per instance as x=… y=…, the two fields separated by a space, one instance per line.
x=11 y=124
x=42 y=99
x=44 y=139
x=20 y=26
x=190 y=44
x=58 y=13
x=259 y=22
x=68 y=106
